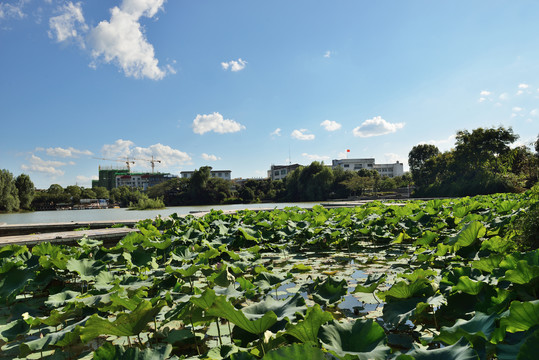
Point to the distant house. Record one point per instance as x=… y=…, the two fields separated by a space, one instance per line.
x=142 y=180
x=389 y=170
x=278 y=172
x=221 y=174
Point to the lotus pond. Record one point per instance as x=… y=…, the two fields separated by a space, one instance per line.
x=436 y=279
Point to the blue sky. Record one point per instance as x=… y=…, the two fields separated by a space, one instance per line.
x=241 y=85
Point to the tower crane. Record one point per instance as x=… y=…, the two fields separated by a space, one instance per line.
x=152 y=161
x=125 y=160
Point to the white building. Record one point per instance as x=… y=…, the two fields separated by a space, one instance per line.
x=278 y=172
x=389 y=170
x=221 y=174
x=143 y=180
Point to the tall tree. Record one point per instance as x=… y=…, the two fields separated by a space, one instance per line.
x=9 y=199
x=419 y=155
x=26 y=190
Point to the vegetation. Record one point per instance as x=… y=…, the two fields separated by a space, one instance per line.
x=482 y=162
x=146 y=203
x=427 y=280
x=15 y=193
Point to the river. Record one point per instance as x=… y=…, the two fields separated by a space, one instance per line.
x=63 y=216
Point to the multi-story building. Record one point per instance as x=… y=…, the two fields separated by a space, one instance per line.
x=389 y=170
x=107 y=177
x=221 y=174
x=278 y=172
x=142 y=180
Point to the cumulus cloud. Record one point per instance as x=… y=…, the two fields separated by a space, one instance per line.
x=215 y=122
x=234 y=65
x=209 y=157
x=14 y=11
x=314 y=157
x=534 y=112
x=70 y=24
x=126 y=149
x=48 y=167
x=327 y=54
x=301 y=135
x=276 y=132
x=376 y=127
x=443 y=144
x=517 y=109
x=65 y=153
x=523 y=86
x=504 y=96
x=122 y=41
x=485 y=93
x=330 y=125
x=86 y=179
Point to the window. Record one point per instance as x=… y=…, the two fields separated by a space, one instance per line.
x=283 y=172
x=277 y=173
x=346 y=165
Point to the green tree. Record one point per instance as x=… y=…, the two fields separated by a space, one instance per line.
x=417 y=157
x=101 y=192
x=88 y=194
x=26 y=191
x=75 y=192
x=9 y=199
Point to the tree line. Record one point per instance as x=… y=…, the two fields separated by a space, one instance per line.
x=481 y=162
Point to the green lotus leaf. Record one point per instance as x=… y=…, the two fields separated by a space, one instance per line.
x=361 y=339
x=301 y=268
x=126 y=324
x=458 y=351
x=224 y=309
x=526 y=348
x=469 y=286
x=522 y=316
x=496 y=244
x=86 y=268
x=523 y=274
x=296 y=351
x=10 y=331
x=371 y=284
x=222 y=278
x=481 y=325
x=468 y=235
x=282 y=308
x=205 y=300
x=111 y=352
x=229 y=292
x=330 y=291
x=418 y=274
x=488 y=264
x=404 y=290
x=307 y=330
x=61 y=298
x=157 y=244
x=266 y=280
x=67 y=336
x=13 y=282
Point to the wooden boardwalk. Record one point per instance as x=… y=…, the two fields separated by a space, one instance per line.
x=67 y=237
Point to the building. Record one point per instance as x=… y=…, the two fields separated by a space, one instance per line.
x=278 y=172
x=107 y=177
x=389 y=170
x=221 y=174
x=142 y=180
x=354 y=164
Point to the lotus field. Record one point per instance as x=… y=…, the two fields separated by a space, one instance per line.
x=436 y=279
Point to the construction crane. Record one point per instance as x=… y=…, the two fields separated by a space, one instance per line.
x=125 y=160
x=152 y=161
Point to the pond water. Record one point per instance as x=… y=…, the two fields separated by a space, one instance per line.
x=61 y=216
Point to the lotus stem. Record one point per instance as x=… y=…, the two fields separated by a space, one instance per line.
x=195 y=335
x=219 y=331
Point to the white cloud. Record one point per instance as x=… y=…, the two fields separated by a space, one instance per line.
x=122 y=41
x=64 y=153
x=327 y=54
x=517 y=109
x=523 y=86
x=70 y=24
x=482 y=99
x=215 y=122
x=125 y=149
x=86 y=179
x=444 y=144
x=14 y=11
x=234 y=65
x=120 y=148
x=534 y=112
x=314 y=157
x=209 y=157
x=504 y=96
x=392 y=158
x=44 y=166
x=300 y=135
x=485 y=93
x=520 y=92
x=376 y=127
x=330 y=125
x=276 y=132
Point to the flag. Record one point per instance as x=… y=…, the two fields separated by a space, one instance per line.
x=347 y=150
